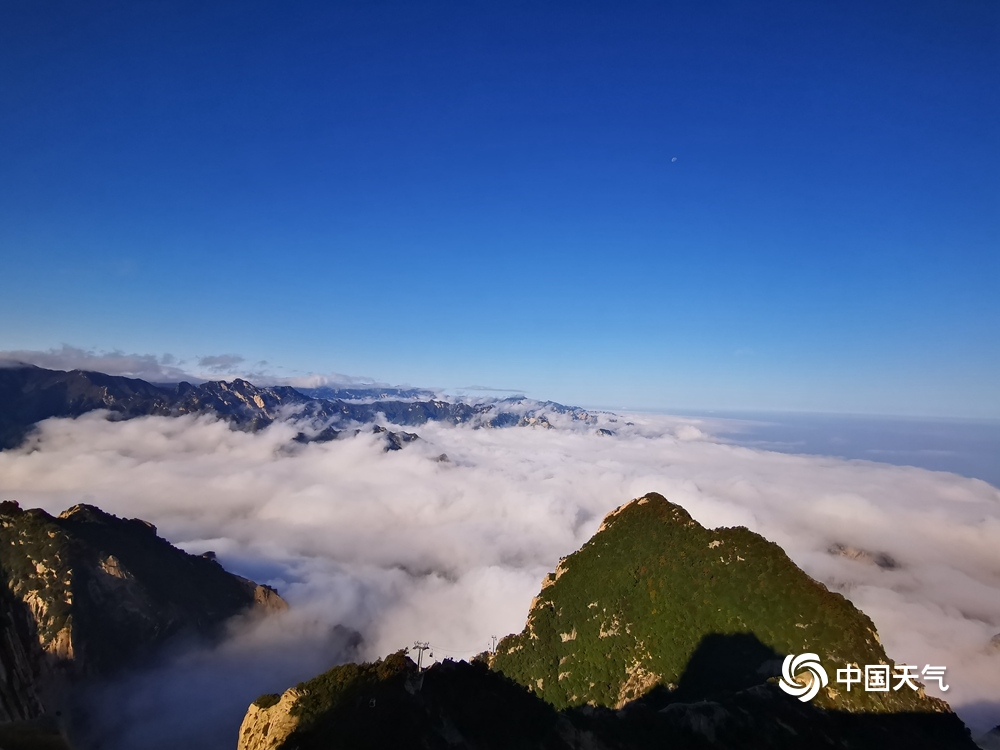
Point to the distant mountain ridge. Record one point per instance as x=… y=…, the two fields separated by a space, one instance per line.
x=29 y=394
x=367 y=393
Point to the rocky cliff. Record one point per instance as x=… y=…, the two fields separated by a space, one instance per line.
x=87 y=593
x=22 y=662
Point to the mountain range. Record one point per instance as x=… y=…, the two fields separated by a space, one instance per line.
x=658 y=632
x=30 y=394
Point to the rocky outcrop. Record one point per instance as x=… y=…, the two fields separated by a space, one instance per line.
x=881 y=559
x=86 y=594
x=269 y=721
x=394 y=441
x=264 y=597
x=22 y=664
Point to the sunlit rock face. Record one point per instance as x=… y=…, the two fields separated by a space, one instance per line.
x=22 y=662
x=269 y=721
x=87 y=593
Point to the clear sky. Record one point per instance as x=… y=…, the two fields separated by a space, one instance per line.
x=769 y=205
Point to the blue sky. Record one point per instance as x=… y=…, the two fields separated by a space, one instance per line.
x=778 y=205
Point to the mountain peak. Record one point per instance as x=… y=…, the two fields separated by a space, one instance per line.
x=660 y=508
x=87 y=512
x=639 y=604
x=658 y=632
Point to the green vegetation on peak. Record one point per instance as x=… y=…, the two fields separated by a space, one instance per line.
x=655 y=599
x=341 y=685
x=670 y=631
x=390 y=704
x=267 y=700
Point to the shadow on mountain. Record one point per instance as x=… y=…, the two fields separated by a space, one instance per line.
x=23 y=666
x=38 y=734
x=725 y=699
x=723 y=702
x=724 y=664
x=720 y=666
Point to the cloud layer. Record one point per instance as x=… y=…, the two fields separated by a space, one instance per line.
x=166 y=368
x=401 y=547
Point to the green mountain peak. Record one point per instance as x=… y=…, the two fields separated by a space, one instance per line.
x=655 y=600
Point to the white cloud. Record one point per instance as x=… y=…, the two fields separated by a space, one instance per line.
x=165 y=368
x=154 y=368
x=318 y=380
x=402 y=547
x=220 y=362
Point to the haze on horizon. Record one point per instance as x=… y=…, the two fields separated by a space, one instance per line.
x=779 y=206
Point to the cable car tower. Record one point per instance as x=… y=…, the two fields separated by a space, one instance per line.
x=420 y=647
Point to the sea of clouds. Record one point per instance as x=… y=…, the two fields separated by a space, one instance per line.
x=401 y=546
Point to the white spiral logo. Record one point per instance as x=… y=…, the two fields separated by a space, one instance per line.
x=795 y=664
